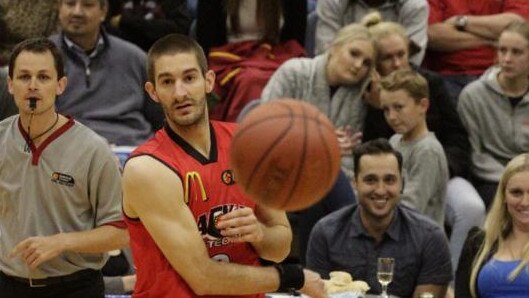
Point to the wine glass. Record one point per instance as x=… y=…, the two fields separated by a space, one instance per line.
x=385 y=274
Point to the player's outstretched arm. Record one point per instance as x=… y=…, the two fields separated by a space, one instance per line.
x=267 y=229
x=154 y=193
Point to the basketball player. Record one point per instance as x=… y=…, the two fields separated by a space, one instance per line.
x=180 y=181
x=59 y=188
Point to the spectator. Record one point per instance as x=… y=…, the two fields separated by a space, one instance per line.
x=352 y=238
x=464 y=207
x=495 y=110
x=247 y=41
x=144 y=22
x=105 y=76
x=335 y=14
x=60 y=188
x=175 y=200
x=404 y=99
x=462 y=35
x=334 y=82
x=495 y=261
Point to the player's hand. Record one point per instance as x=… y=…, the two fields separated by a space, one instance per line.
x=347 y=140
x=451 y=20
x=240 y=225
x=314 y=286
x=37 y=250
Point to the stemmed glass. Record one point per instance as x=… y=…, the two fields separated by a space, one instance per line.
x=385 y=274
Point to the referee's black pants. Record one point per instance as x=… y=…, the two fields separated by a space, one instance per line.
x=88 y=284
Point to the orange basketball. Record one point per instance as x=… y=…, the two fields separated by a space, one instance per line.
x=285 y=154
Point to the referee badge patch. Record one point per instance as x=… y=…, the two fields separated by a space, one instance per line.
x=62 y=179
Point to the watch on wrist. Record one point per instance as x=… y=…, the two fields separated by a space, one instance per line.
x=461 y=23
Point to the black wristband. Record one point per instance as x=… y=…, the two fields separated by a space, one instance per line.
x=291 y=277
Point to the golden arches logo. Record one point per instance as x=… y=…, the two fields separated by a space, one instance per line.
x=195 y=179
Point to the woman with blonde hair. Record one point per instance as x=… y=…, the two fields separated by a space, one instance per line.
x=495 y=261
x=334 y=82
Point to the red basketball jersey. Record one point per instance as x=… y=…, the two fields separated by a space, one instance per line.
x=209 y=191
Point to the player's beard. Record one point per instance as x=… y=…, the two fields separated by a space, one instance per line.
x=197 y=117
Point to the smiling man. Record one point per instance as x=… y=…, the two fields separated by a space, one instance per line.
x=352 y=238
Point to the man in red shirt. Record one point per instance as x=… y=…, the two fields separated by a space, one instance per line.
x=193 y=232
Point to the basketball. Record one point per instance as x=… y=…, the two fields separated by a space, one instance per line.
x=285 y=154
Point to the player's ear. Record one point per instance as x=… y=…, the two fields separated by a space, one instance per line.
x=149 y=88
x=210 y=80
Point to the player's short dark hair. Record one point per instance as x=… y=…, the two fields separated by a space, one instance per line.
x=378 y=146
x=175 y=44
x=38 y=45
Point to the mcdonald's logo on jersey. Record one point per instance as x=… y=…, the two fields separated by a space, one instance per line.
x=193 y=185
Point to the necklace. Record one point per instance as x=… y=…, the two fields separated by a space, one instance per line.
x=48 y=129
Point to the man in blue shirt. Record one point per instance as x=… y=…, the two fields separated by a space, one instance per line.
x=354 y=237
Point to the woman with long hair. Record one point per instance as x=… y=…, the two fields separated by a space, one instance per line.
x=495 y=261
x=334 y=82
